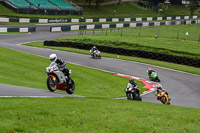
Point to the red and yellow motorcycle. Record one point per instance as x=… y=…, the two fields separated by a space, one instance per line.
x=163 y=97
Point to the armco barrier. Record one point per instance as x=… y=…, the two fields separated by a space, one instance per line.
x=121 y=25
x=128 y=52
x=91 y=20
x=13 y=29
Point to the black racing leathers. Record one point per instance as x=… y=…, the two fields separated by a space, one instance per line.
x=61 y=64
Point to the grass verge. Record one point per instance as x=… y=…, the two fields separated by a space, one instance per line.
x=179 y=67
x=94 y=115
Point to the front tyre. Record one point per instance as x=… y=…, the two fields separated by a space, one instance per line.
x=71 y=87
x=51 y=84
x=158 y=80
x=129 y=96
x=163 y=100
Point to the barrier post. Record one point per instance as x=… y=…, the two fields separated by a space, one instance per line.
x=178 y=35
x=199 y=37
x=158 y=32
x=139 y=32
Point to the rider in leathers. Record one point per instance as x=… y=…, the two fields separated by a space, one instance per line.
x=61 y=65
x=93 y=49
x=160 y=90
x=133 y=84
x=149 y=72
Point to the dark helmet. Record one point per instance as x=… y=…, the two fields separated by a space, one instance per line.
x=131 y=81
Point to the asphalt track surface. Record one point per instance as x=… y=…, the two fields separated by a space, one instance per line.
x=183 y=88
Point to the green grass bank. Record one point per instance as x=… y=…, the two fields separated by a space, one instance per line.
x=94 y=115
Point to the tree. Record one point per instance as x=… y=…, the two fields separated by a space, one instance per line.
x=193 y=5
x=98 y=3
x=119 y=2
x=89 y=2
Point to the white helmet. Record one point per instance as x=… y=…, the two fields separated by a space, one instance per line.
x=53 y=57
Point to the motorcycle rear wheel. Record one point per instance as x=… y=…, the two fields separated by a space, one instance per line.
x=139 y=98
x=71 y=88
x=51 y=84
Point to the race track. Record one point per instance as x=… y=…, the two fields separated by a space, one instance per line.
x=183 y=88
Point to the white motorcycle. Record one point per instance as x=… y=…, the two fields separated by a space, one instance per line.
x=133 y=94
x=95 y=54
x=57 y=80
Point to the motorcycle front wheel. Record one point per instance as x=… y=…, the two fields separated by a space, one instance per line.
x=51 y=84
x=163 y=100
x=129 y=96
x=158 y=80
x=71 y=88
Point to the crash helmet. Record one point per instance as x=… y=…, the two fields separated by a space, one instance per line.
x=159 y=87
x=149 y=69
x=131 y=81
x=53 y=57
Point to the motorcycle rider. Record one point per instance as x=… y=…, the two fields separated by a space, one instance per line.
x=133 y=84
x=93 y=49
x=160 y=90
x=61 y=65
x=149 y=71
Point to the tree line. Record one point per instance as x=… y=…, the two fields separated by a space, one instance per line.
x=193 y=4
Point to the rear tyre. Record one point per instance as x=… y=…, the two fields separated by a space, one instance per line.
x=51 y=84
x=139 y=98
x=71 y=87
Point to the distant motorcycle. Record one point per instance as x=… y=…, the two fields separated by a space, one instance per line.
x=154 y=77
x=96 y=54
x=163 y=97
x=57 y=80
x=133 y=94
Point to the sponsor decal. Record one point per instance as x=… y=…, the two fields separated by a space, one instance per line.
x=57 y=20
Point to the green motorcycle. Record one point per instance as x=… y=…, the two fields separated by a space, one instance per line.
x=154 y=77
